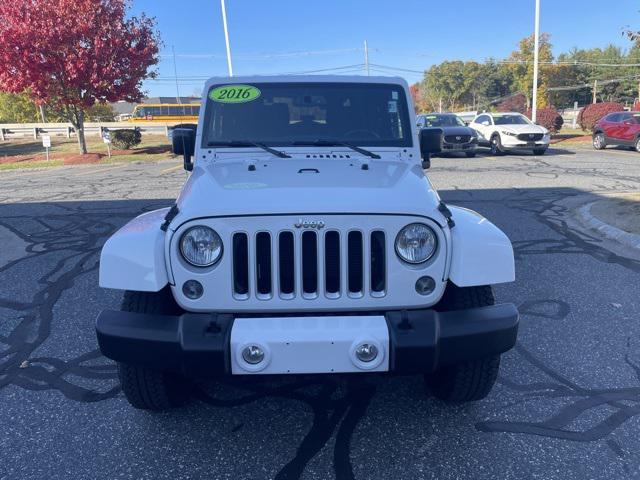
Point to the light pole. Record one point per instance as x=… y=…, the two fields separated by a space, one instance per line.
x=536 y=46
x=226 y=37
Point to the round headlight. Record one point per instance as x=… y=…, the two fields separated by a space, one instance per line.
x=201 y=246
x=416 y=243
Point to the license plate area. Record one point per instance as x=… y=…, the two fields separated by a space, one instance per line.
x=300 y=345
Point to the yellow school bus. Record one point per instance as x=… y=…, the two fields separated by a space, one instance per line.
x=169 y=112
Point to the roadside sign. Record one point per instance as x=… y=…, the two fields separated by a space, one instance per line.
x=46 y=143
x=106 y=138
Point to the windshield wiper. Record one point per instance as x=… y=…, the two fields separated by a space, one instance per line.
x=246 y=143
x=321 y=142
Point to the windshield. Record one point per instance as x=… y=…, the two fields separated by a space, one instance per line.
x=288 y=114
x=515 y=119
x=443 y=121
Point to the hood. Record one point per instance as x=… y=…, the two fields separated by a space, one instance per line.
x=523 y=128
x=303 y=186
x=458 y=131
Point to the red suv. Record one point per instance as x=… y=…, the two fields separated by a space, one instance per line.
x=619 y=128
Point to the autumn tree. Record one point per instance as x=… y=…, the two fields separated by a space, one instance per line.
x=72 y=54
x=521 y=66
x=17 y=108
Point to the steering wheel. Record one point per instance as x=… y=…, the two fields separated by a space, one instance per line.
x=368 y=133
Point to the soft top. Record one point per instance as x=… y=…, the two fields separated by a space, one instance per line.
x=305 y=79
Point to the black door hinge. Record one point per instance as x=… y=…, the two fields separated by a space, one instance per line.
x=171 y=214
x=446 y=213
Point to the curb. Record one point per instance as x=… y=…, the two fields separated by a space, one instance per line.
x=629 y=239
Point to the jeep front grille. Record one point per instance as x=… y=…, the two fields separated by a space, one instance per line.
x=309 y=264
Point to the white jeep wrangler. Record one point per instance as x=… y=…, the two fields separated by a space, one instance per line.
x=307 y=239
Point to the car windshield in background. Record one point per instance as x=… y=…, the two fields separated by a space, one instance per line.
x=288 y=114
x=443 y=121
x=511 y=120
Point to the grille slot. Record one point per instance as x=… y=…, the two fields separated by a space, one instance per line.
x=378 y=262
x=240 y=264
x=286 y=259
x=332 y=263
x=355 y=263
x=309 y=263
x=263 y=263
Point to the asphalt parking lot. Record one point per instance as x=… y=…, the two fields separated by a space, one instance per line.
x=567 y=405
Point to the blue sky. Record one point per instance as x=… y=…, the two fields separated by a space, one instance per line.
x=282 y=36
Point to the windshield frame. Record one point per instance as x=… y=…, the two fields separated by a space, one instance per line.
x=404 y=115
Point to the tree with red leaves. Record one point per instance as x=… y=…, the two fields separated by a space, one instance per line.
x=71 y=54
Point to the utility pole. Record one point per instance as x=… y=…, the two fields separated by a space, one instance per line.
x=536 y=47
x=226 y=37
x=366 y=57
x=175 y=72
x=44 y=119
x=595 y=90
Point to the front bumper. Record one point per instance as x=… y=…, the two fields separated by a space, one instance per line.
x=460 y=147
x=199 y=344
x=517 y=144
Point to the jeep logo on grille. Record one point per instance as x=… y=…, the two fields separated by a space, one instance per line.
x=317 y=224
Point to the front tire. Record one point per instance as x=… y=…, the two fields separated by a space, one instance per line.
x=468 y=381
x=636 y=145
x=496 y=145
x=145 y=388
x=599 y=141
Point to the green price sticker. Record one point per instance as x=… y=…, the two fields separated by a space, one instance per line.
x=234 y=94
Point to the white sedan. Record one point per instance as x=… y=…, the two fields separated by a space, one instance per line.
x=510 y=131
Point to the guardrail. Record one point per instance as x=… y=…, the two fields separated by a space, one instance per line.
x=35 y=130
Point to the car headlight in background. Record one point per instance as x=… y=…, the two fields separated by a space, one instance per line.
x=201 y=246
x=507 y=132
x=416 y=243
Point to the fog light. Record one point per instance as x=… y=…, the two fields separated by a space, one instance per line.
x=425 y=285
x=192 y=289
x=366 y=352
x=252 y=354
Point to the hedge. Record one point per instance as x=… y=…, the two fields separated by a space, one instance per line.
x=124 y=139
x=515 y=103
x=548 y=118
x=590 y=114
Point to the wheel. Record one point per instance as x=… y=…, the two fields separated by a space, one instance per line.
x=472 y=380
x=636 y=145
x=145 y=388
x=470 y=154
x=496 y=145
x=598 y=141
x=539 y=151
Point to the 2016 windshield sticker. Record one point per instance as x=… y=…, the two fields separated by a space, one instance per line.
x=234 y=94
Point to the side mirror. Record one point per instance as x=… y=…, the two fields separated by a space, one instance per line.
x=184 y=143
x=430 y=143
